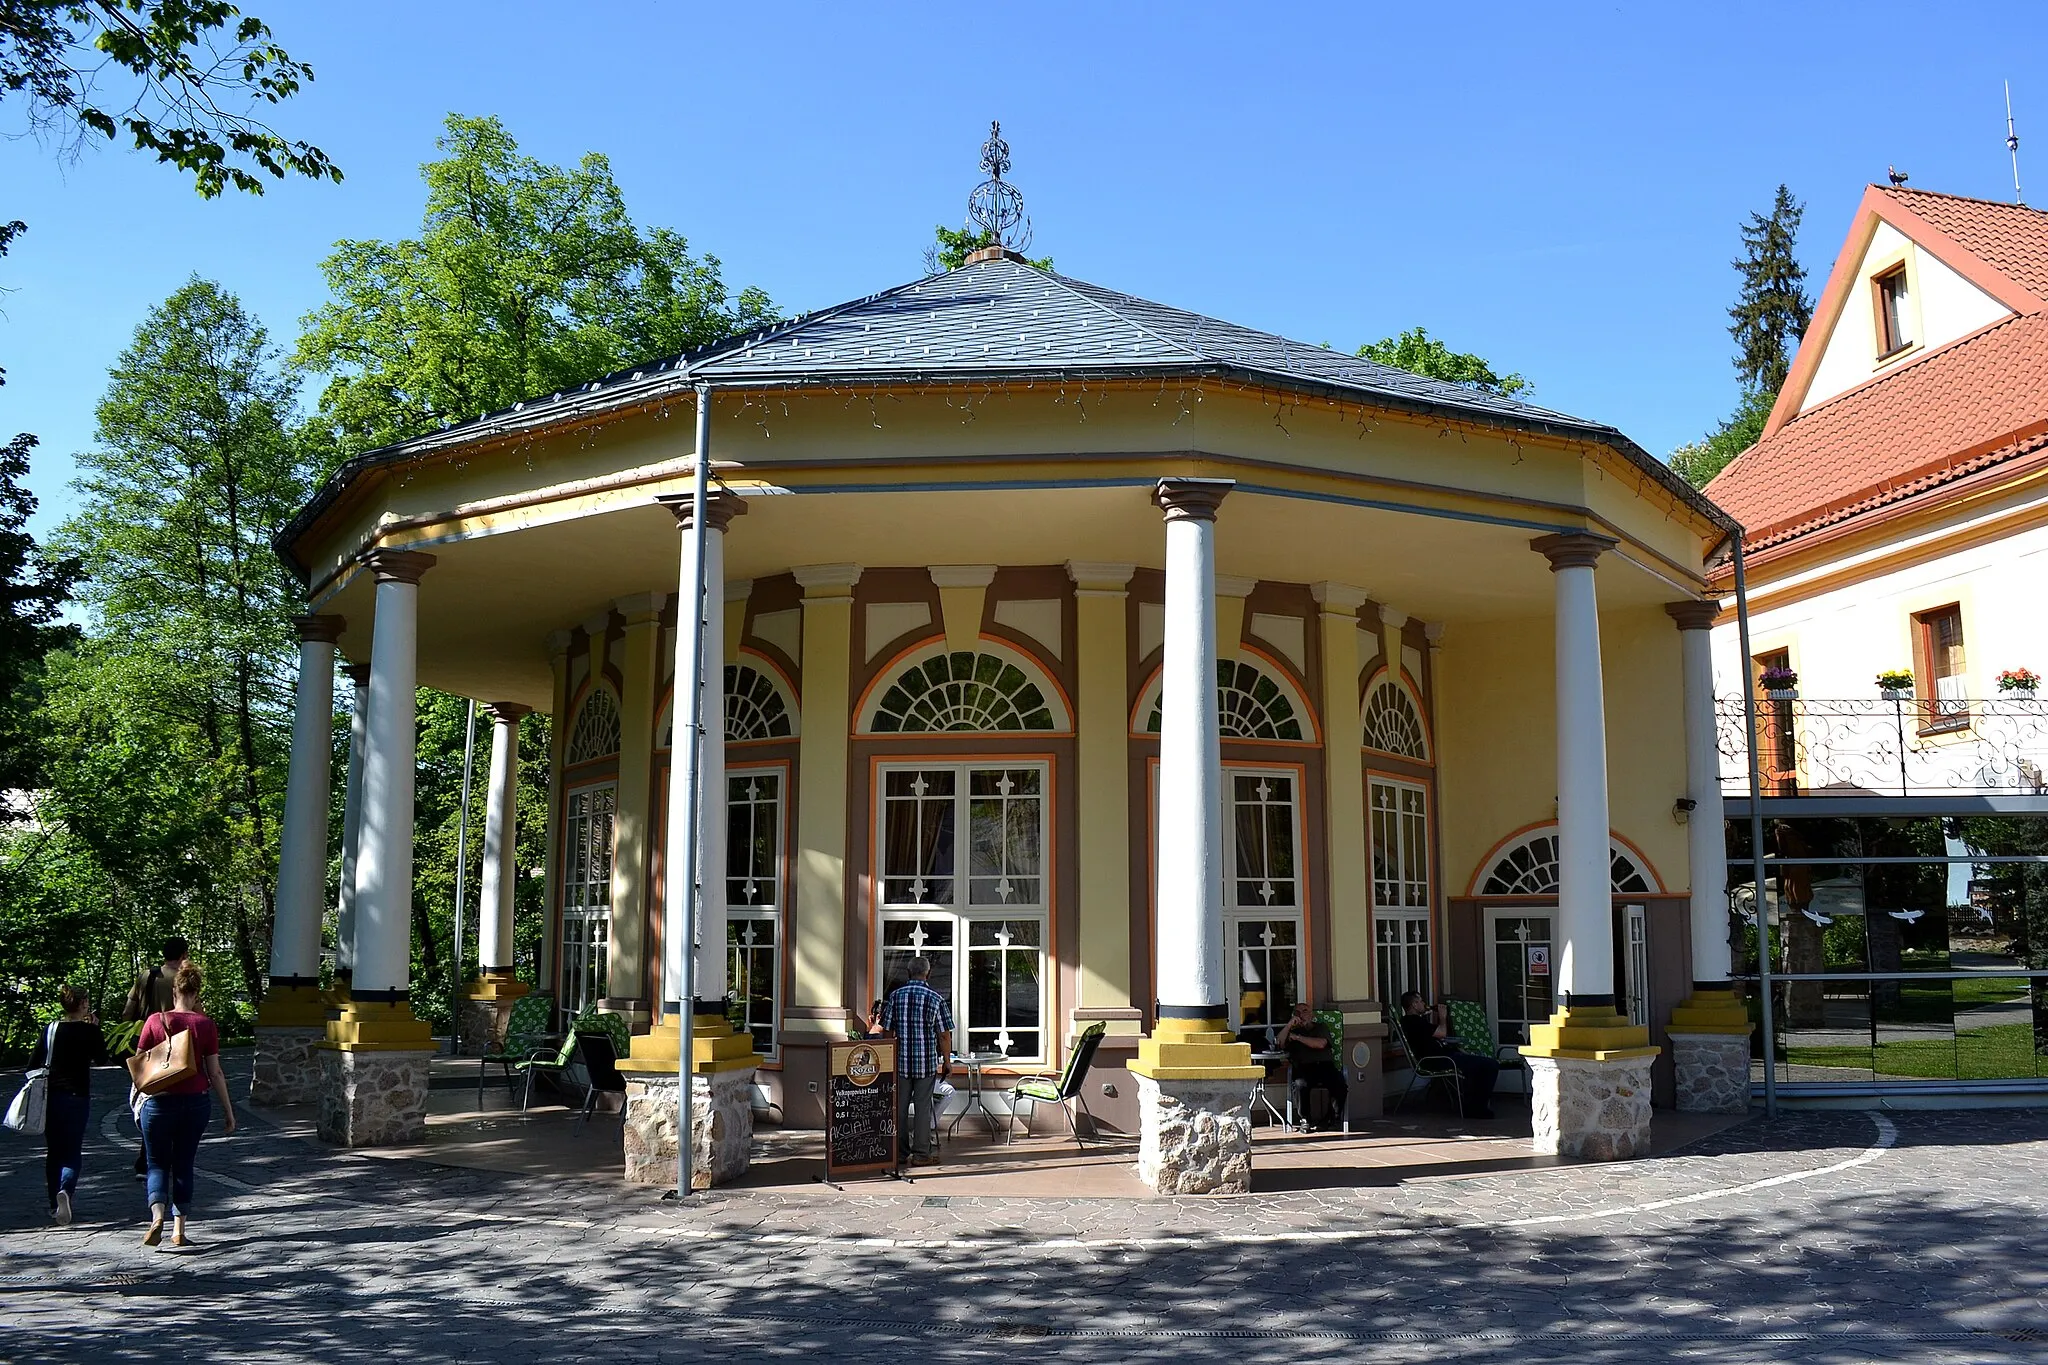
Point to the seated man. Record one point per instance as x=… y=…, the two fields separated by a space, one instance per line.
x=1425 y=1027
x=1310 y=1064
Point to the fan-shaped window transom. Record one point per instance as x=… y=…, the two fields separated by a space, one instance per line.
x=1393 y=723
x=963 y=691
x=596 y=732
x=1529 y=867
x=1250 y=704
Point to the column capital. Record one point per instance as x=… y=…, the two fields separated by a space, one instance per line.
x=826 y=580
x=738 y=589
x=507 y=712
x=641 y=608
x=962 y=575
x=721 y=505
x=321 y=629
x=359 y=674
x=1099 y=577
x=1229 y=585
x=398 y=566
x=1339 y=598
x=1573 y=549
x=1392 y=616
x=1693 y=613
x=1189 y=499
x=558 y=643
x=1433 y=632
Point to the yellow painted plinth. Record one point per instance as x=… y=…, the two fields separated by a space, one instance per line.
x=714 y=1047
x=1194 y=1050
x=1712 y=1012
x=292 y=1007
x=378 y=1026
x=1590 y=1034
x=496 y=986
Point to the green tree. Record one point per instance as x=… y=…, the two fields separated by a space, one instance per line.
x=951 y=247
x=525 y=279
x=188 y=610
x=33 y=589
x=1772 y=308
x=1697 y=462
x=1416 y=351
x=183 y=77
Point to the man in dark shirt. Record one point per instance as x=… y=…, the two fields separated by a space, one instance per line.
x=1427 y=1029
x=923 y=1024
x=1311 y=1065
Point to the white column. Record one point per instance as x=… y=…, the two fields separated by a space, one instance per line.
x=712 y=967
x=501 y=842
x=1705 y=831
x=302 y=840
x=1189 y=884
x=351 y=822
x=384 y=846
x=1584 y=894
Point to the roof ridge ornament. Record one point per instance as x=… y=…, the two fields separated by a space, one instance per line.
x=995 y=209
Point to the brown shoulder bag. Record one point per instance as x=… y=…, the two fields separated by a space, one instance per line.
x=167 y=1064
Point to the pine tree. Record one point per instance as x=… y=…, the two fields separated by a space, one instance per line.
x=1773 y=307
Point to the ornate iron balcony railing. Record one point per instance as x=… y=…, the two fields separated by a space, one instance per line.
x=1910 y=747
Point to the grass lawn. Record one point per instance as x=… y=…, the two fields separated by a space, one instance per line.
x=2005 y=1052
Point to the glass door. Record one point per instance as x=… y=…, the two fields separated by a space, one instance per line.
x=1520 y=971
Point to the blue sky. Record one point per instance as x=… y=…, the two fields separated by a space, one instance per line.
x=1554 y=187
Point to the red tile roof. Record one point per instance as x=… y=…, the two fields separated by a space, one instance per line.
x=1955 y=411
x=2010 y=238
x=1951 y=413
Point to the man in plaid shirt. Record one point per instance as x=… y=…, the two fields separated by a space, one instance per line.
x=923 y=1024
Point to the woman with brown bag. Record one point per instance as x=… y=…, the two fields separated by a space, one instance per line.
x=174 y=1117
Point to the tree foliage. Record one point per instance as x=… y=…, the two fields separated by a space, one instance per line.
x=1772 y=308
x=1416 y=351
x=1697 y=462
x=33 y=589
x=525 y=279
x=182 y=77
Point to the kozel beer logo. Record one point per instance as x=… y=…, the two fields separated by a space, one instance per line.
x=862 y=1066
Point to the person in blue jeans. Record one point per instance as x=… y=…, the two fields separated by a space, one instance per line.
x=174 y=1120
x=70 y=1050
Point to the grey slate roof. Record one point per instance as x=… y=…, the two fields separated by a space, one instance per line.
x=1002 y=320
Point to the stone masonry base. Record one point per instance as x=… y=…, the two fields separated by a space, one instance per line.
x=721 y=1128
x=287 y=1064
x=480 y=1023
x=1594 y=1111
x=373 y=1099
x=1195 y=1137
x=1713 y=1072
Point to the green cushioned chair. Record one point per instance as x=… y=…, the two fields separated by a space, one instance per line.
x=1473 y=1032
x=1333 y=1022
x=526 y=1035
x=1065 y=1086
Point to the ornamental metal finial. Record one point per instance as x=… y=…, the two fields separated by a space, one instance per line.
x=996 y=208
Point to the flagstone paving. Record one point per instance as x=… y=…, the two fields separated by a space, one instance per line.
x=1835 y=1237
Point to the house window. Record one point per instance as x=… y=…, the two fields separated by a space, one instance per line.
x=978 y=912
x=1944 y=679
x=1262 y=893
x=753 y=898
x=1400 y=887
x=1893 y=334
x=596 y=732
x=587 y=895
x=1250 y=704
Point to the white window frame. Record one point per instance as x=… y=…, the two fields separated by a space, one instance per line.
x=960 y=913
x=1489 y=931
x=1237 y=913
x=756 y=901
x=1635 y=986
x=585 y=963
x=1404 y=932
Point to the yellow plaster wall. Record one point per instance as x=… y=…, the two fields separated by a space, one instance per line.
x=1103 y=816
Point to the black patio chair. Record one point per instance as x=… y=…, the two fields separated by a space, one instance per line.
x=1423 y=1072
x=1065 y=1086
x=601 y=1065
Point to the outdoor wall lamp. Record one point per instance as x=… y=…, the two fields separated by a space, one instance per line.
x=1682 y=809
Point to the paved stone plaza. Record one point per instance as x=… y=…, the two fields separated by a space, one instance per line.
x=1826 y=1237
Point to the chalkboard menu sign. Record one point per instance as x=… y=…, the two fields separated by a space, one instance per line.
x=860 y=1113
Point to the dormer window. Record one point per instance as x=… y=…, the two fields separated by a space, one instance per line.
x=1889 y=295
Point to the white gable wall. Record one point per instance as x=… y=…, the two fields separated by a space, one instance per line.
x=1942 y=306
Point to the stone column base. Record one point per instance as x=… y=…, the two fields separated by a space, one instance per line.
x=1713 y=1072
x=480 y=1024
x=721 y=1128
x=1195 y=1136
x=1591 y=1109
x=373 y=1098
x=288 y=1065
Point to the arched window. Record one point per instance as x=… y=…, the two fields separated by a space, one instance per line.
x=1250 y=704
x=756 y=707
x=596 y=732
x=1528 y=867
x=991 y=690
x=1393 y=722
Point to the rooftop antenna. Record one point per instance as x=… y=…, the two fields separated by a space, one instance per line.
x=996 y=208
x=2012 y=144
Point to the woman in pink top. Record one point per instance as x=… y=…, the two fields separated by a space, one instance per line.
x=174 y=1120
